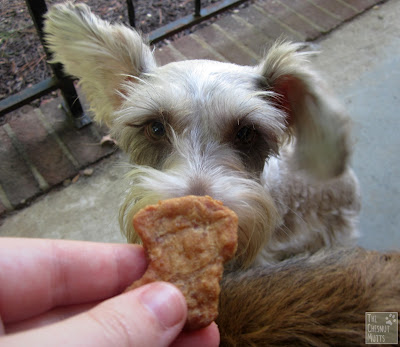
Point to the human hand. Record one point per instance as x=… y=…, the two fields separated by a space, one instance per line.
x=56 y=293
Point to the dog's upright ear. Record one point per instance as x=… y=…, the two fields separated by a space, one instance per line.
x=101 y=55
x=320 y=125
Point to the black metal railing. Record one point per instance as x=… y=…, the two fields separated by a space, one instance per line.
x=59 y=80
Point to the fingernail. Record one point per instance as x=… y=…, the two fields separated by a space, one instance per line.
x=165 y=302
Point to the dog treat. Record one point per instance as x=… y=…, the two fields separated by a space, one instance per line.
x=187 y=240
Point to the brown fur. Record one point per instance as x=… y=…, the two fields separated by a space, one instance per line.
x=309 y=301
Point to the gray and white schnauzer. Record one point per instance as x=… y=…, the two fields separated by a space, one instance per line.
x=269 y=141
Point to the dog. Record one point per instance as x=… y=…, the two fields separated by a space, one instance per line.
x=269 y=141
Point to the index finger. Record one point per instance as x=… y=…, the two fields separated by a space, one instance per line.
x=37 y=275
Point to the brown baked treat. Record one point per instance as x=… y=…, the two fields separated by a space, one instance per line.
x=187 y=240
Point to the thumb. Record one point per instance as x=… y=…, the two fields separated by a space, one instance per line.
x=152 y=315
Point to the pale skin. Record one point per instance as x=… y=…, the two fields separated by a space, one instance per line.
x=68 y=293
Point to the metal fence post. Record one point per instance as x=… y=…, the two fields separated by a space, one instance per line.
x=197 y=8
x=72 y=105
x=131 y=13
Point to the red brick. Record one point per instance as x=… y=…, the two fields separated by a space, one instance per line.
x=337 y=8
x=15 y=176
x=191 y=49
x=277 y=10
x=2 y=209
x=42 y=149
x=361 y=5
x=225 y=46
x=248 y=36
x=165 y=55
x=269 y=27
x=313 y=14
x=83 y=144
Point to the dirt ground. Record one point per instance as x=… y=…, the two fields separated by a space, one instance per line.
x=22 y=58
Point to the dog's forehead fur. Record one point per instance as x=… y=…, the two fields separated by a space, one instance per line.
x=211 y=95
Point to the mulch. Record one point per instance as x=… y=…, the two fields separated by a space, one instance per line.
x=22 y=58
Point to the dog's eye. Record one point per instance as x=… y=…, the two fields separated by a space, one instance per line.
x=155 y=130
x=245 y=136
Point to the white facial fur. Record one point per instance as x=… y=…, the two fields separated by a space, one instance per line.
x=202 y=106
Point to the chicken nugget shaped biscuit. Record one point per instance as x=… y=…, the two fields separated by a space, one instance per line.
x=187 y=241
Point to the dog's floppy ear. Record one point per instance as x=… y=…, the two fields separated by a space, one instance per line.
x=102 y=55
x=317 y=120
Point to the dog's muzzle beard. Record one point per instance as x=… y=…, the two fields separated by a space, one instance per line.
x=201 y=174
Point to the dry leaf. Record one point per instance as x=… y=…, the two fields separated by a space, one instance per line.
x=76 y=178
x=88 y=172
